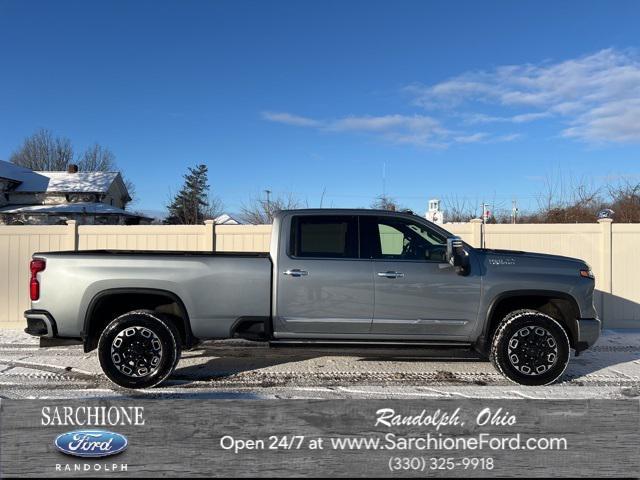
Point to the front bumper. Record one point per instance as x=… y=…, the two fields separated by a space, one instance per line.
x=40 y=323
x=588 y=333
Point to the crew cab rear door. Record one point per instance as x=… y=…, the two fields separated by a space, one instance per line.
x=324 y=289
x=417 y=293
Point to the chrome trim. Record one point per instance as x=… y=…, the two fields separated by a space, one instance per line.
x=391 y=274
x=296 y=272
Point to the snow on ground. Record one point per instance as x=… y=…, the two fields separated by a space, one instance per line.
x=239 y=369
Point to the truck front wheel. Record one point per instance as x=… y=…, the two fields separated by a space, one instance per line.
x=139 y=349
x=530 y=348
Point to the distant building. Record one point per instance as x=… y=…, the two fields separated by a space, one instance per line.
x=30 y=197
x=434 y=214
x=226 y=219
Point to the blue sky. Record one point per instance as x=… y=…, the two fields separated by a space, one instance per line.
x=468 y=100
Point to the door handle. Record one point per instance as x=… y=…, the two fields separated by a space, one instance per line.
x=296 y=272
x=391 y=274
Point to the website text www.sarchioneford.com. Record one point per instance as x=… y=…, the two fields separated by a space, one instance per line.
x=407 y=452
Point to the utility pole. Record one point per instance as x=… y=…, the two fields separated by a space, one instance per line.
x=384 y=178
x=484 y=221
x=484 y=212
x=268 y=192
x=514 y=211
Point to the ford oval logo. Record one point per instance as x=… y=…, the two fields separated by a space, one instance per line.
x=91 y=443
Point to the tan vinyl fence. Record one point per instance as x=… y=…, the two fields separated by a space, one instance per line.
x=612 y=250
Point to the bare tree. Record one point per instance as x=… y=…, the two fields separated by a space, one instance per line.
x=383 y=202
x=625 y=202
x=214 y=208
x=97 y=158
x=553 y=193
x=43 y=151
x=261 y=210
x=459 y=209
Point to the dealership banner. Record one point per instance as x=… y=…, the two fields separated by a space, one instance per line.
x=337 y=438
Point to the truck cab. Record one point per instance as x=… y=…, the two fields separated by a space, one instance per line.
x=373 y=275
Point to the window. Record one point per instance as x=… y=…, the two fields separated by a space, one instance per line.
x=401 y=239
x=324 y=236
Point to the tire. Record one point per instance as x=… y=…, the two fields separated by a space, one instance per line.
x=530 y=348
x=139 y=349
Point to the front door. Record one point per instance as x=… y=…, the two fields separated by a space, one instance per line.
x=323 y=288
x=417 y=293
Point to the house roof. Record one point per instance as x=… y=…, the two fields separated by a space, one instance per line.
x=92 y=208
x=226 y=219
x=63 y=182
x=60 y=182
x=23 y=175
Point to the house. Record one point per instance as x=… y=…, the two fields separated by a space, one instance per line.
x=226 y=219
x=30 y=197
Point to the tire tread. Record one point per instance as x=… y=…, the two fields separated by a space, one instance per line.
x=506 y=322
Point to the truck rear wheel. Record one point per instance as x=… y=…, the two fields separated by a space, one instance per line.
x=139 y=349
x=530 y=348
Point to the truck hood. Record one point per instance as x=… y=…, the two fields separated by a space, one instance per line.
x=505 y=255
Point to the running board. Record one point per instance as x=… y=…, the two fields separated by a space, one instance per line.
x=368 y=343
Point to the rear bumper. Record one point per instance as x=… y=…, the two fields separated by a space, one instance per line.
x=588 y=333
x=40 y=323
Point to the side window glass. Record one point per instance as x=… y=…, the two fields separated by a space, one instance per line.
x=402 y=239
x=324 y=236
x=392 y=240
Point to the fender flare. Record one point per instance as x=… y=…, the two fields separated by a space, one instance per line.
x=190 y=339
x=571 y=324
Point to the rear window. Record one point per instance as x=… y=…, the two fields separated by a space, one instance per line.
x=324 y=236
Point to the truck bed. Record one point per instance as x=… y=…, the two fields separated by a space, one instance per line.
x=216 y=288
x=157 y=253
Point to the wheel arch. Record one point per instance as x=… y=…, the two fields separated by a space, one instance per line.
x=98 y=314
x=561 y=306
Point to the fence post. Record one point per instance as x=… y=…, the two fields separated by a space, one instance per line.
x=209 y=241
x=476 y=232
x=606 y=264
x=72 y=234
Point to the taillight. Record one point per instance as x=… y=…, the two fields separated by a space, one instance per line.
x=37 y=265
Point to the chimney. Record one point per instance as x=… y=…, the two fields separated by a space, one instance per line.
x=72 y=168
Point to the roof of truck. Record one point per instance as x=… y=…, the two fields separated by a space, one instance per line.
x=361 y=211
x=344 y=211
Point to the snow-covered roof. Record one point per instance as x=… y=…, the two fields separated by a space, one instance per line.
x=80 y=182
x=65 y=208
x=58 y=182
x=226 y=219
x=23 y=175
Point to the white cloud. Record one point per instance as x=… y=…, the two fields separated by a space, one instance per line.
x=510 y=137
x=407 y=129
x=289 y=119
x=598 y=95
x=613 y=121
x=479 y=118
x=417 y=130
x=529 y=117
x=473 y=138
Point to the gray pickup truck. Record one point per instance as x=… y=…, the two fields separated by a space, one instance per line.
x=332 y=277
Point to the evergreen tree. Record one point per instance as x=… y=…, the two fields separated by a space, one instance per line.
x=191 y=205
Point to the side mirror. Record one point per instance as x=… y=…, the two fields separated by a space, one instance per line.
x=457 y=256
